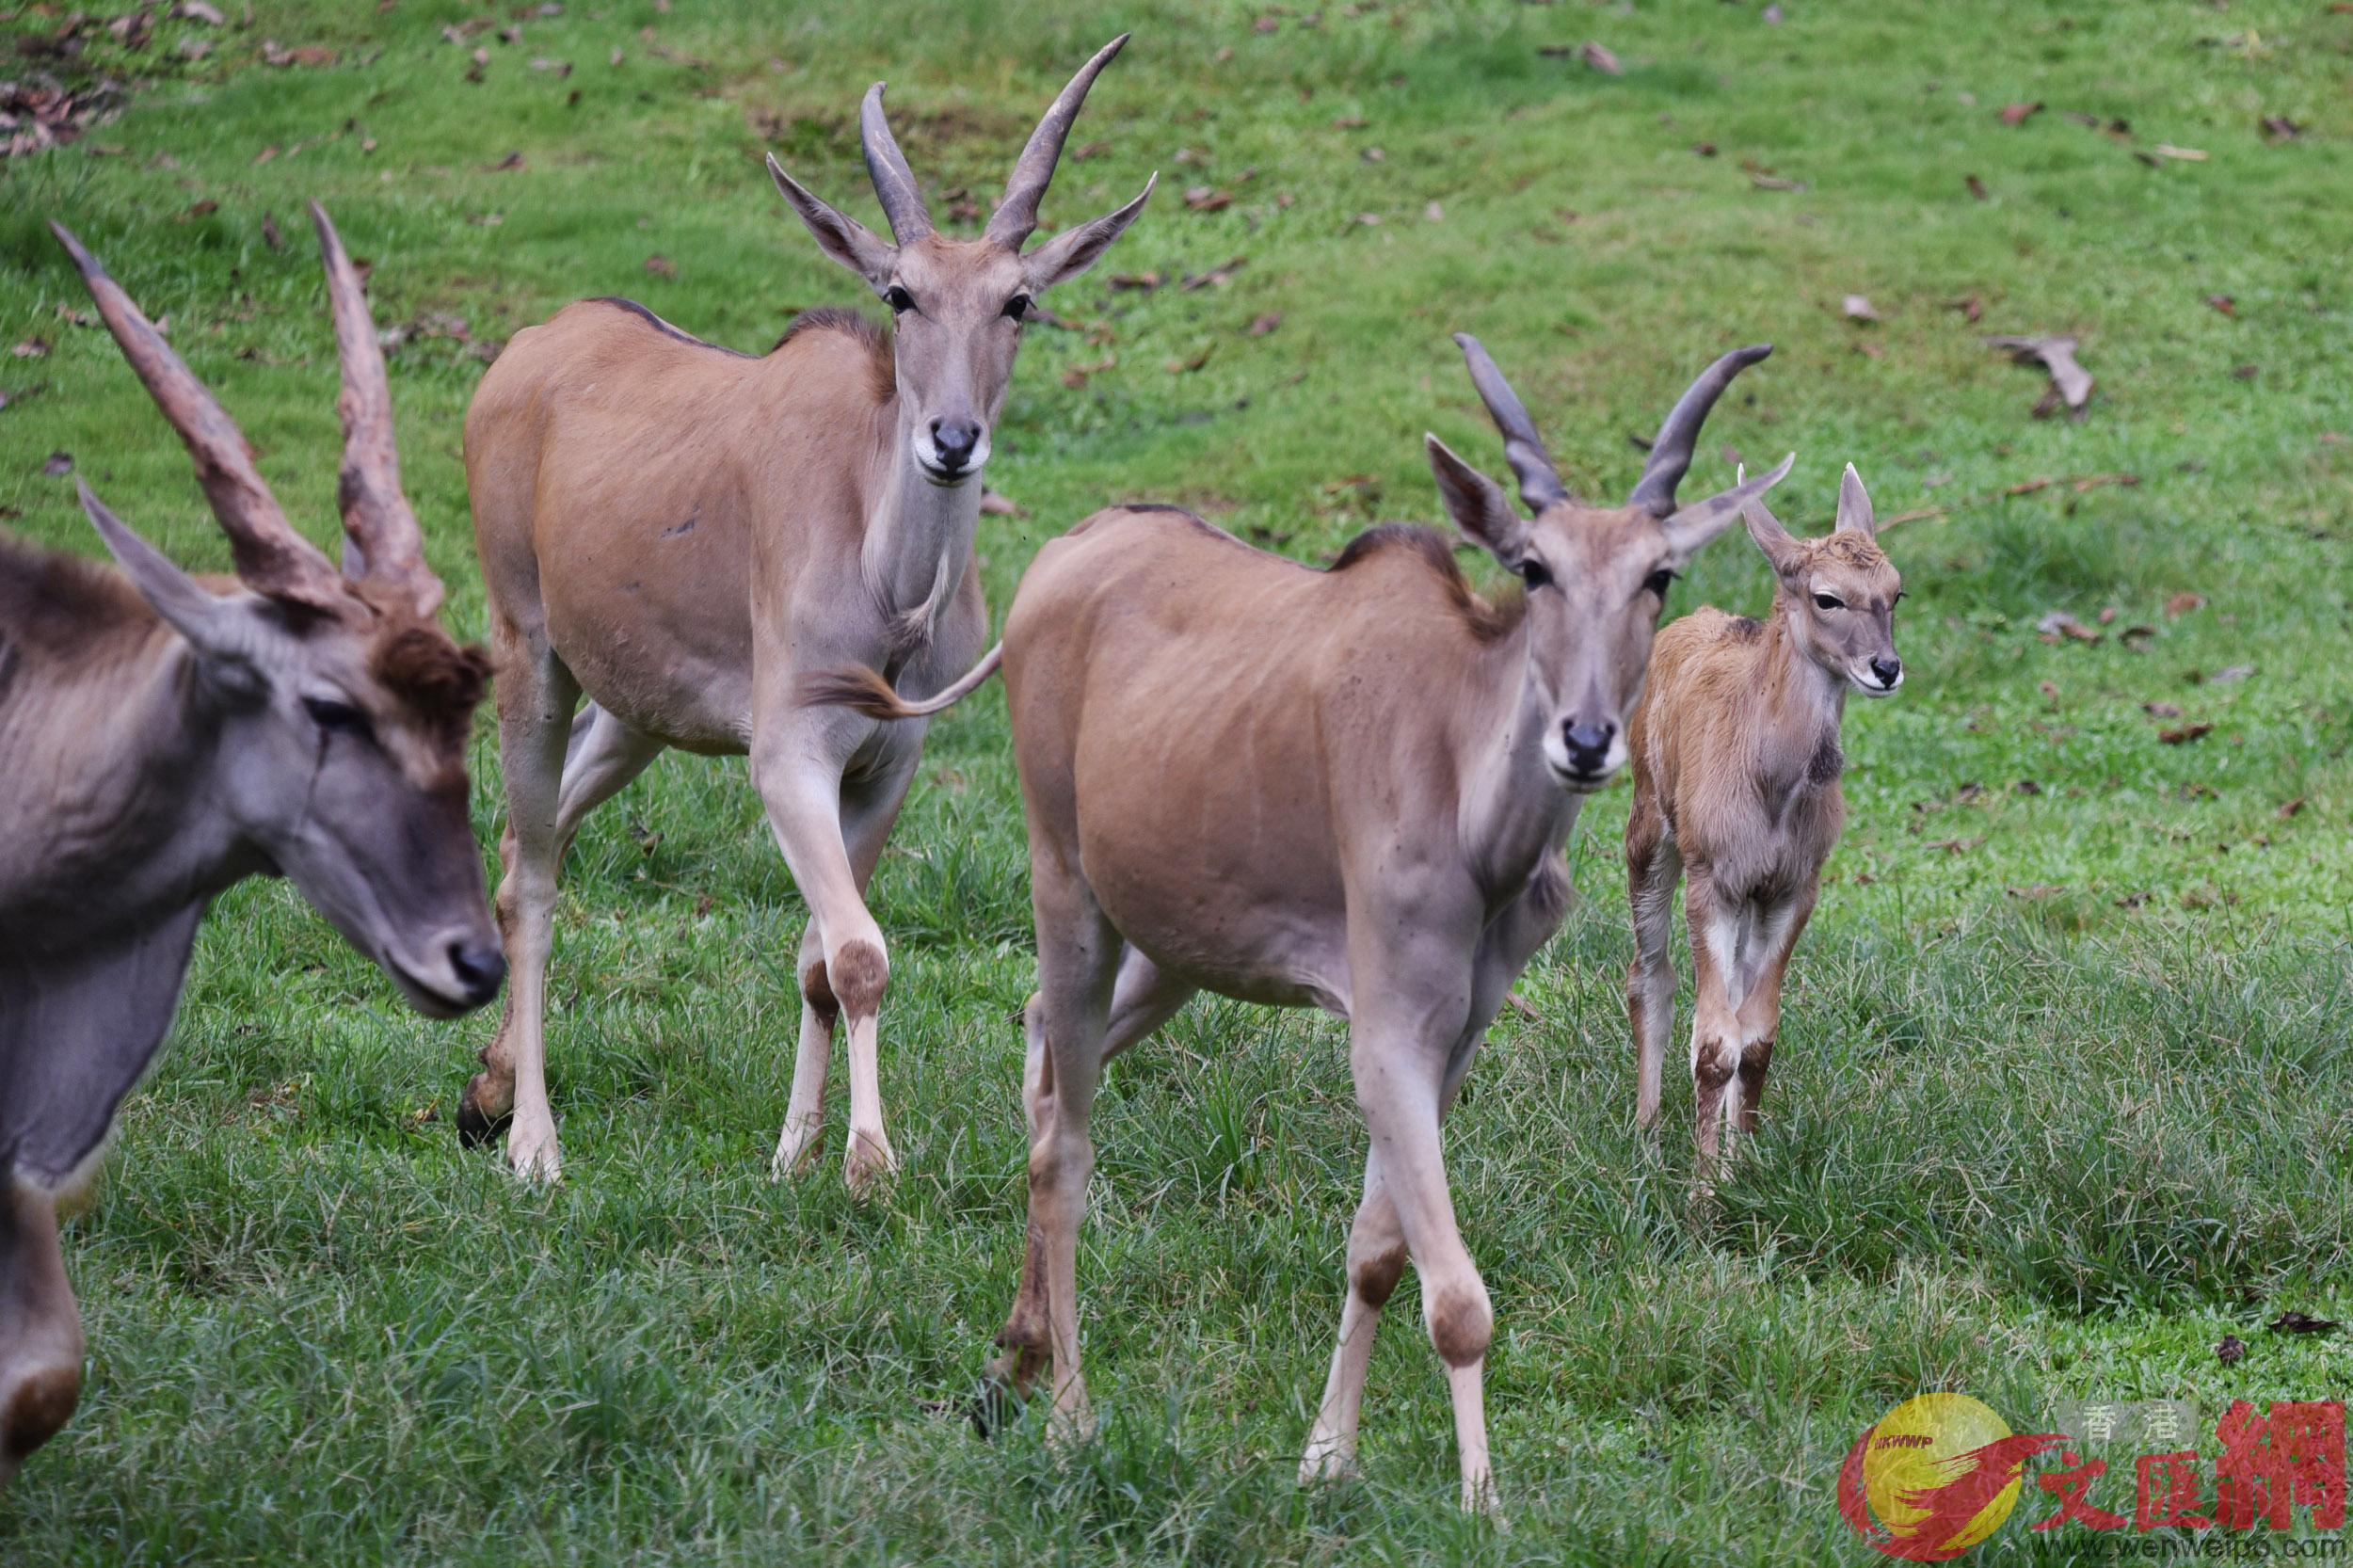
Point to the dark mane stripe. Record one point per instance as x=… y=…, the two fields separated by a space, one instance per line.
x=1429 y=548
x=833 y=318
x=665 y=328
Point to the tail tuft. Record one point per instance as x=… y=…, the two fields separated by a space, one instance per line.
x=858 y=688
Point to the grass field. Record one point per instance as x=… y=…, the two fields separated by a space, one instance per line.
x=2061 y=1097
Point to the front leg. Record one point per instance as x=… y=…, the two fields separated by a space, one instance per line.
x=797 y=763
x=1715 y=923
x=1759 y=1020
x=40 y=1328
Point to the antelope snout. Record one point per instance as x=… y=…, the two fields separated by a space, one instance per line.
x=1887 y=672
x=453 y=973
x=1584 y=753
x=952 y=448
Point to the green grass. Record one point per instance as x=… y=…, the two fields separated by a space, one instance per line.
x=2061 y=1094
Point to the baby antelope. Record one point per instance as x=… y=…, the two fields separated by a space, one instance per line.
x=1735 y=781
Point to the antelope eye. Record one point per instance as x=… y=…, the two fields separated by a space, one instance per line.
x=1018 y=306
x=338 y=718
x=1656 y=581
x=900 y=301
x=1534 y=573
x=1829 y=601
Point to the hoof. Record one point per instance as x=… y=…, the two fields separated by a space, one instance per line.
x=796 y=1150
x=996 y=1405
x=535 y=1157
x=1326 y=1464
x=476 y=1126
x=869 y=1163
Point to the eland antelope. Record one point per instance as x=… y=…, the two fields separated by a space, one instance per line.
x=681 y=532
x=1345 y=789
x=163 y=738
x=1736 y=791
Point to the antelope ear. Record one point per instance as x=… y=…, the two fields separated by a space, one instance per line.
x=1696 y=524
x=1478 y=505
x=1854 y=506
x=210 y=624
x=1074 y=250
x=1781 y=550
x=841 y=236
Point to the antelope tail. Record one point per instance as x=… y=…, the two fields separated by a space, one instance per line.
x=865 y=691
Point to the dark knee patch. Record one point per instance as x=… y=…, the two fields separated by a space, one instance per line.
x=43 y=1403
x=1460 y=1326
x=818 y=992
x=1711 y=1071
x=858 y=975
x=1374 y=1279
x=1754 y=1062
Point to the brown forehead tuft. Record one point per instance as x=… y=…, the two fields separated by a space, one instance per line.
x=437 y=684
x=1850 y=548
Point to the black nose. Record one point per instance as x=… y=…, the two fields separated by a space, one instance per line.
x=1888 y=670
x=1589 y=745
x=954 y=440
x=479 y=970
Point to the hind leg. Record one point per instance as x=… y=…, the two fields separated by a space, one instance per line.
x=1079 y=963
x=1653 y=867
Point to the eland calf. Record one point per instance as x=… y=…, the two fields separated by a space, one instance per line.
x=1736 y=791
x=681 y=532
x=163 y=738
x=1344 y=789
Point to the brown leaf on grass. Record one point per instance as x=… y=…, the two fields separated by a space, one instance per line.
x=2230 y=1350
x=996 y=505
x=2058 y=625
x=2056 y=355
x=1520 y=1006
x=1705 y=149
x=1147 y=281
x=2224 y=303
x=2228 y=673
x=2018 y=114
x=1260 y=325
x=2136 y=634
x=1977 y=188
x=2185 y=154
x=59 y=465
x=270 y=236
x=1858 y=308
x=2162 y=710
x=2184 y=734
x=1187 y=366
x=2279 y=127
x=1969 y=305
x=662 y=266
x=72 y=317
x=1075 y=376
x=2289 y=808
x=31 y=348
x=1204 y=199
x=2292 y=1321
x=274 y=53
x=1349 y=123
x=2246 y=372
x=2049 y=690
x=1956 y=846
x=200 y=11
x=512 y=160
x=2108 y=614
x=2035 y=890
x=2183 y=602
x=1217 y=276
x=1598 y=56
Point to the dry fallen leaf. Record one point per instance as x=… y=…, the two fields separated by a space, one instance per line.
x=2056 y=355
x=2059 y=624
x=1600 y=58
x=1145 y=280
x=2018 y=114
x=2187 y=154
x=1217 y=276
x=996 y=505
x=31 y=348
x=1859 y=309
x=2279 y=127
x=1182 y=367
x=2183 y=602
x=2289 y=808
x=2161 y=710
x=512 y=160
x=59 y=465
x=1202 y=199
x=2183 y=735
x=2230 y=1350
x=1977 y=188
x=2224 y=303
x=1260 y=325
x=662 y=266
x=2292 y=1321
